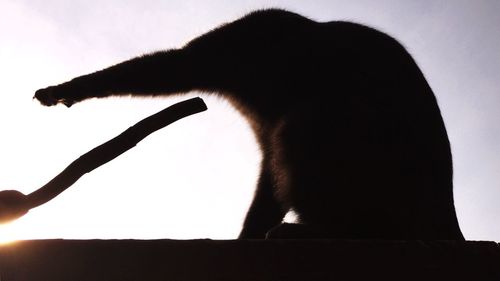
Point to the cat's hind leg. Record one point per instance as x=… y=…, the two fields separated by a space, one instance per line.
x=265 y=211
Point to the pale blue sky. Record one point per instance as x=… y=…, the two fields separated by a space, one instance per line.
x=181 y=190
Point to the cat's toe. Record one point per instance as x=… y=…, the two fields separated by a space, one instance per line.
x=46 y=96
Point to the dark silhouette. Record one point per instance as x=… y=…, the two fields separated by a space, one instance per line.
x=351 y=134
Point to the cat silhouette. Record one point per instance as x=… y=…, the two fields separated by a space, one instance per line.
x=351 y=134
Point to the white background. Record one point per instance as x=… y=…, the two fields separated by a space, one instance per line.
x=195 y=178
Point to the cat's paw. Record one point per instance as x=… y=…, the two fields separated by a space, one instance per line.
x=51 y=96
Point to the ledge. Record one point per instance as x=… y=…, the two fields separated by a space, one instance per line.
x=54 y=260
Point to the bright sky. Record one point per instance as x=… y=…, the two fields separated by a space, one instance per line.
x=195 y=178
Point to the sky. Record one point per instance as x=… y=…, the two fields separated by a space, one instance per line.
x=195 y=178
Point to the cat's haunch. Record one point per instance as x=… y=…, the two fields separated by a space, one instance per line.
x=351 y=134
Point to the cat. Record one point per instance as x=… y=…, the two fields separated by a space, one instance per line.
x=351 y=133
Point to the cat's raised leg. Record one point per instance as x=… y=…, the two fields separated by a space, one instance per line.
x=158 y=73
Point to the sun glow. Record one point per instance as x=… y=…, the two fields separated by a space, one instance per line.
x=9 y=235
x=6 y=240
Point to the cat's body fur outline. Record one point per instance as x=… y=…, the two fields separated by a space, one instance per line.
x=387 y=171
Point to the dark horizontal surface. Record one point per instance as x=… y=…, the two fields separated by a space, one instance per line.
x=248 y=260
